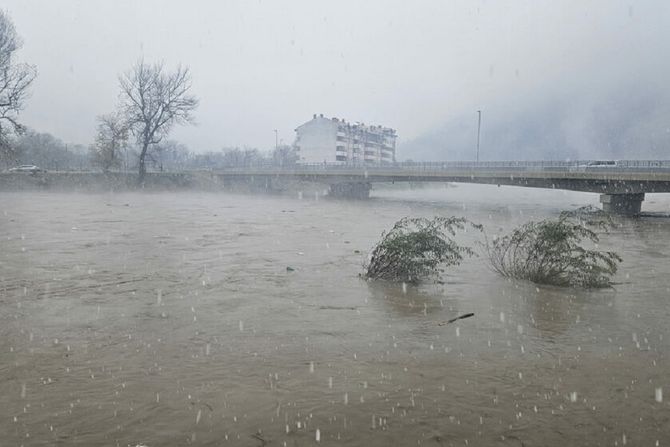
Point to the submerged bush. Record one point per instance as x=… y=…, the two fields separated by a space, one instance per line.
x=551 y=252
x=416 y=248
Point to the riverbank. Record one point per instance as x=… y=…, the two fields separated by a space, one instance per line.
x=92 y=181
x=73 y=181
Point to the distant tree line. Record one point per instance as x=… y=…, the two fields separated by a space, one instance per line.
x=112 y=152
x=48 y=152
x=245 y=157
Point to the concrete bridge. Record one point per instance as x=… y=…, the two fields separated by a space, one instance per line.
x=621 y=184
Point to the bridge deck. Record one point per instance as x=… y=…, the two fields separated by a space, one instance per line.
x=622 y=179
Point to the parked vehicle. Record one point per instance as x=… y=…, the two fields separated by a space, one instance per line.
x=603 y=164
x=596 y=164
x=27 y=168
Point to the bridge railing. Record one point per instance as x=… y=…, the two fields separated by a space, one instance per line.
x=550 y=165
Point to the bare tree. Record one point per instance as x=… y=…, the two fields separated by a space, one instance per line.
x=285 y=156
x=15 y=78
x=111 y=137
x=152 y=101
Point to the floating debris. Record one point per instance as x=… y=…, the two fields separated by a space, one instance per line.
x=461 y=317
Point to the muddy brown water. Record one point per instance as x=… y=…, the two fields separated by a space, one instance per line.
x=171 y=319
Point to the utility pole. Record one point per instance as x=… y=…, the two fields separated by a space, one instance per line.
x=479 y=127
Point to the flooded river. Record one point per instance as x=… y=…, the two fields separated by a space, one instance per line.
x=171 y=319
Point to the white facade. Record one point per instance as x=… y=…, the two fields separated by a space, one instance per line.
x=332 y=140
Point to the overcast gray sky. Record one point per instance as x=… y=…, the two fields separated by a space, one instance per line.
x=261 y=65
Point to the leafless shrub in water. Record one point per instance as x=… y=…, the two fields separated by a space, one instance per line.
x=416 y=248
x=551 y=252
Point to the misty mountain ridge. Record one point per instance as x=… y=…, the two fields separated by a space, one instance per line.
x=626 y=122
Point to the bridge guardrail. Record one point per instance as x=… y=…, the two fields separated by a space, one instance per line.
x=571 y=166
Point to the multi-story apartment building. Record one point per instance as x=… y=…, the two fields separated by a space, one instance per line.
x=333 y=140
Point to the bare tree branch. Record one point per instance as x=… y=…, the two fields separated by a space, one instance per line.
x=15 y=79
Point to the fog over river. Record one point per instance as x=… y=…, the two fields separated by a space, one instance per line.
x=169 y=319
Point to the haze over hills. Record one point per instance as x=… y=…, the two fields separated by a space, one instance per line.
x=625 y=121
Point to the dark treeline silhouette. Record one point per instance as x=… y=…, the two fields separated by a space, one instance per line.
x=47 y=152
x=50 y=153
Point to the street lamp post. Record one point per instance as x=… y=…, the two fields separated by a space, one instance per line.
x=479 y=126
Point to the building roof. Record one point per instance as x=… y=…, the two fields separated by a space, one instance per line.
x=356 y=125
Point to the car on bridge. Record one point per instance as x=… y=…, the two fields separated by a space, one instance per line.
x=32 y=169
x=595 y=165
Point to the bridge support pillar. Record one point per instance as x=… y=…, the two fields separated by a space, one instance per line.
x=354 y=190
x=624 y=204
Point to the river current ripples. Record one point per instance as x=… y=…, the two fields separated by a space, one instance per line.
x=165 y=319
